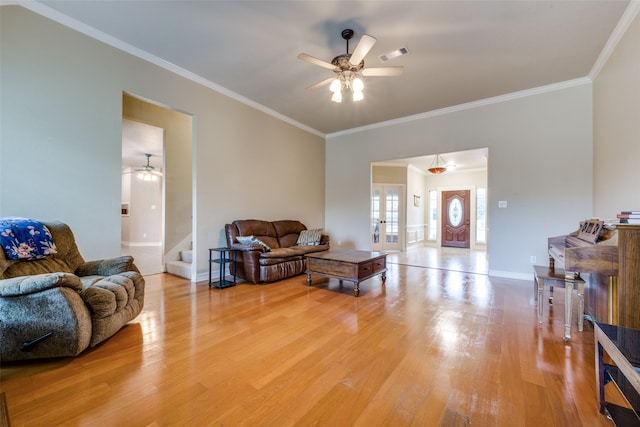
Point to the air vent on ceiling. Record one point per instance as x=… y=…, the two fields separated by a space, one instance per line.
x=394 y=54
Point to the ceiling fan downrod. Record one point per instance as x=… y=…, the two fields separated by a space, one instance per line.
x=347 y=34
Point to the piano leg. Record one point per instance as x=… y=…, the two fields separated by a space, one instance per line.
x=580 y=305
x=540 y=288
x=567 y=309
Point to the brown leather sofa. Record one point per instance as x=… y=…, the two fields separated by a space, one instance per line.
x=286 y=258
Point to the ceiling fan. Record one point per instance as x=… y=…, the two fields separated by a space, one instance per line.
x=349 y=68
x=148 y=172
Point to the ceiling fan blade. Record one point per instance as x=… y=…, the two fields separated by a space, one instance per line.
x=316 y=61
x=364 y=46
x=322 y=83
x=382 y=71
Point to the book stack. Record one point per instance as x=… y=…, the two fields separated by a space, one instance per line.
x=629 y=217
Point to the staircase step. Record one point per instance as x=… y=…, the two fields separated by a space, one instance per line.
x=187 y=256
x=179 y=268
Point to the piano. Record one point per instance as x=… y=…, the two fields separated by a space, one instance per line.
x=607 y=258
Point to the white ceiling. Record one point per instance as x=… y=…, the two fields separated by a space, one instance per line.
x=459 y=51
x=139 y=139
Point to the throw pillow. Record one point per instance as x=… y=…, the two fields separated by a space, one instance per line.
x=310 y=237
x=252 y=240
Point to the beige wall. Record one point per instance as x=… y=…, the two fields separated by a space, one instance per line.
x=616 y=128
x=61 y=108
x=388 y=174
x=530 y=142
x=416 y=228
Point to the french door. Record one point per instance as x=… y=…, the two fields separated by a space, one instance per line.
x=387 y=209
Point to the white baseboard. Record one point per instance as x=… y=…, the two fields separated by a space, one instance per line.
x=140 y=244
x=511 y=275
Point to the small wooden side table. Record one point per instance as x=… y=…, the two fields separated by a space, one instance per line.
x=226 y=257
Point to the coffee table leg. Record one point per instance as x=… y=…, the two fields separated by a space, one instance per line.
x=309 y=279
x=384 y=278
x=356 y=289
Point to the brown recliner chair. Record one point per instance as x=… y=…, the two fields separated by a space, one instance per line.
x=60 y=305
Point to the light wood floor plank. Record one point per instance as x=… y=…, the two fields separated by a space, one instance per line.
x=431 y=347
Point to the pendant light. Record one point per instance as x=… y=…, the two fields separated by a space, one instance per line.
x=438 y=165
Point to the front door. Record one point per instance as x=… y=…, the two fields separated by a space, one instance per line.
x=456 y=229
x=386 y=216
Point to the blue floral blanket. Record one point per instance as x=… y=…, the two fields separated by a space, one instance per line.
x=25 y=239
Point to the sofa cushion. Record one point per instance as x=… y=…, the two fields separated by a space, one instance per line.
x=288 y=231
x=252 y=240
x=280 y=255
x=262 y=230
x=310 y=237
x=307 y=249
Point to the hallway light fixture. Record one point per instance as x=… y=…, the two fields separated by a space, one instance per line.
x=438 y=165
x=148 y=172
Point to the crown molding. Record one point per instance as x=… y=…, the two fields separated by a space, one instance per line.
x=469 y=105
x=87 y=30
x=627 y=18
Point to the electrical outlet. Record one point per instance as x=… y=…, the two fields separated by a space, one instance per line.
x=533 y=260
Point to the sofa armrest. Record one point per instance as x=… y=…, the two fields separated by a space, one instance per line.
x=247 y=264
x=25 y=285
x=107 y=267
x=246 y=248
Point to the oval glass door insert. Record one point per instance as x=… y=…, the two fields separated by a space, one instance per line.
x=455 y=212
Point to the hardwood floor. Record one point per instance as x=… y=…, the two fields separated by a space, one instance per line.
x=432 y=347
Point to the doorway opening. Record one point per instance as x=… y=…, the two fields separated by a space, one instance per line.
x=142 y=209
x=424 y=210
x=172 y=156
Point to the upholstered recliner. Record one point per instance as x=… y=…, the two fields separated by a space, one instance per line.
x=60 y=305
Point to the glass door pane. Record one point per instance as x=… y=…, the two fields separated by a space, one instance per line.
x=391 y=218
x=375 y=216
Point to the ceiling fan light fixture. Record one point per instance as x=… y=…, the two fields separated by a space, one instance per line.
x=349 y=68
x=146 y=176
x=148 y=172
x=336 y=86
x=357 y=85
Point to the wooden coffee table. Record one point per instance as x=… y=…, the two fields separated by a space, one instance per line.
x=351 y=265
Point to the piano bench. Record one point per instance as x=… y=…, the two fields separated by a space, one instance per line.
x=569 y=281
